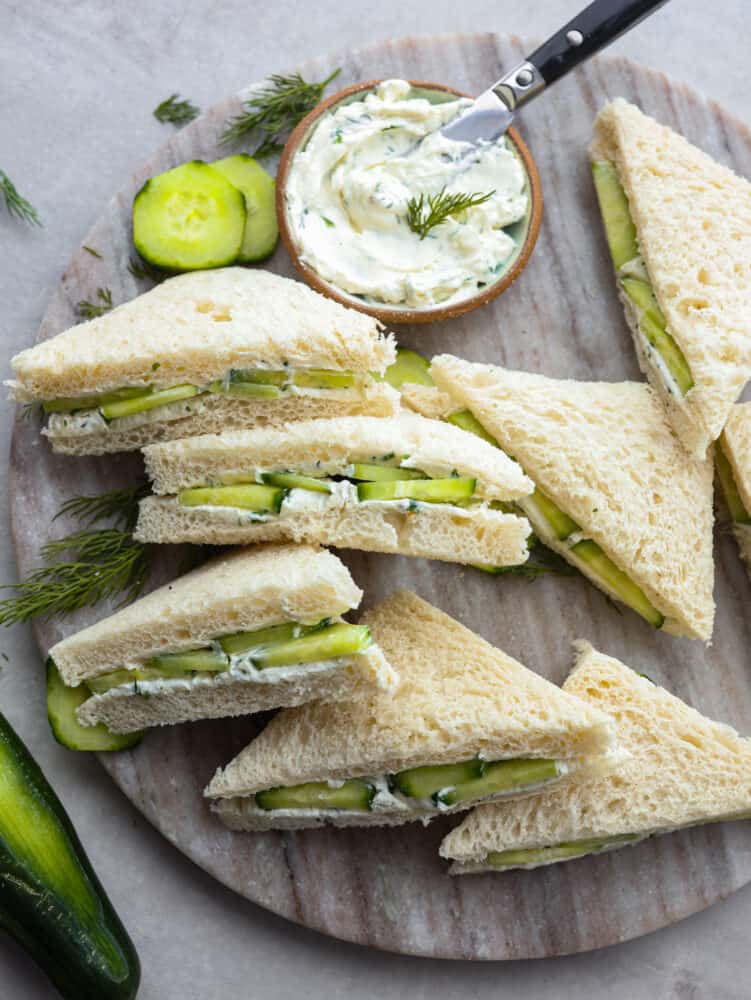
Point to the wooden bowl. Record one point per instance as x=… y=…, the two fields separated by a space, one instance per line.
x=391 y=314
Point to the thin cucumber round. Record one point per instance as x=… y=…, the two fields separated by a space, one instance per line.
x=248 y=496
x=62 y=702
x=352 y=796
x=294 y=481
x=409 y=367
x=241 y=642
x=259 y=190
x=189 y=219
x=341 y=639
x=430 y=490
x=177 y=664
x=371 y=473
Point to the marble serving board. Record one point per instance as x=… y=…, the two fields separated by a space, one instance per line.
x=388 y=888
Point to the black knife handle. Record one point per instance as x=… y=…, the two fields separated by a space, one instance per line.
x=592 y=29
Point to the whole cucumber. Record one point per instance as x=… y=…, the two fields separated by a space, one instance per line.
x=51 y=901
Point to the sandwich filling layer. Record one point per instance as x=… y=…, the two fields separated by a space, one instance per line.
x=134 y=406
x=642 y=309
x=560 y=532
x=736 y=507
x=265 y=656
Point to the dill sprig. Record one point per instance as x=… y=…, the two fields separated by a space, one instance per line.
x=100 y=563
x=426 y=212
x=176 y=111
x=141 y=270
x=542 y=561
x=92 y=250
x=90 y=310
x=18 y=207
x=274 y=110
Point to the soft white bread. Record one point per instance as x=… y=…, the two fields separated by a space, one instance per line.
x=330 y=445
x=458 y=697
x=243 y=590
x=693 y=223
x=736 y=445
x=684 y=769
x=603 y=453
x=195 y=328
x=224 y=696
x=214 y=413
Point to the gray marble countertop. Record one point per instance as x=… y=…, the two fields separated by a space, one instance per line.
x=78 y=83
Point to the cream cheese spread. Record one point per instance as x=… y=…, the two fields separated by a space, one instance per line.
x=348 y=188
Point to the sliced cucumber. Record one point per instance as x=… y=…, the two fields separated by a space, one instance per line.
x=115 y=678
x=62 y=702
x=260 y=376
x=322 y=378
x=247 y=496
x=545 y=516
x=653 y=325
x=501 y=776
x=255 y=390
x=733 y=499
x=259 y=190
x=241 y=642
x=384 y=473
x=353 y=796
x=177 y=664
x=424 y=782
x=326 y=643
x=604 y=571
x=429 y=490
x=188 y=219
x=293 y=481
x=147 y=401
x=616 y=214
x=70 y=405
x=409 y=367
x=469 y=423
x=560 y=852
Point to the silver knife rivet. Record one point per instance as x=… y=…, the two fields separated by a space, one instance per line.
x=524 y=78
x=574 y=37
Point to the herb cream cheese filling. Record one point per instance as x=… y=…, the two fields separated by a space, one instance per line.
x=348 y=190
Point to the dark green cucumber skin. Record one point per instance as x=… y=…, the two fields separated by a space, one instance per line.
x=83 y=962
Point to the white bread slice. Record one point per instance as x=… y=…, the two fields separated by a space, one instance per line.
x=684 y=769
x=693 y=223
x=242 y=590
x=195 y=328
x=214 y=413
x=603 y=453
x=458 y=696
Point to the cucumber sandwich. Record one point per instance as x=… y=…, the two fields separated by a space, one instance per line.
x=615 y=493
x=204 y=352
x=252 y=630
x=679 y=231
x=466 y=724
x=401 y=485
x=683 y=770
x=733 y=463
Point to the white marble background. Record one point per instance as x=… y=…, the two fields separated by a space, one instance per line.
x=78 y=81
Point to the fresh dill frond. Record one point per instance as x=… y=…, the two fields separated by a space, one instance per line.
x=176 y=111
x=274 y=110
x=29 y=410
x=141 y=270
x=92 y=251
x=542 y=562
x=18 y=207
x=90 y=310
x=88 y=565
x=425 y=212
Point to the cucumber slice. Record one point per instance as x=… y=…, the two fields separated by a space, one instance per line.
x=652 y=324
x=241 y=642
x=326 y=643
x=501 y=776
x=62 y=702
x=604 y=571
x=178 y=664
x=253 y=389
x=424 y=782
x=469 y=423
x=292 y=481
x=409 y=367
x=69 y=405
x=115 y=678
x=322 y=378
x=560 y=852
x=259 y=190
x=188 y=219
x=384 y=473
x=545 y=516
x=260 y=376
x=616 y=214
x=248 y=496
x=430 y=490
x=147 y=401
x=353 y=796
x=733 y=499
